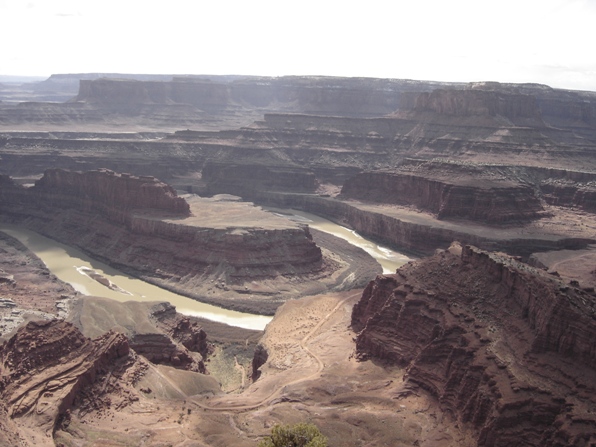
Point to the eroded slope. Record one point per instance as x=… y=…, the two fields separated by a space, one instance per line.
x=506 y=348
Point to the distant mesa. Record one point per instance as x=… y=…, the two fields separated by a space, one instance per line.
x=449 y=192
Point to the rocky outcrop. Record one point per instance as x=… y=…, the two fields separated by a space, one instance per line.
x=570 y=194
x=105 y=192
x=48 y=365
x=472 y=199
x=182 y=329
x=155 y=331
x=259 y=359
x=505 y=348
x=160 y=349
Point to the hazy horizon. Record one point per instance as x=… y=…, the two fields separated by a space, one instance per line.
x=544 y=42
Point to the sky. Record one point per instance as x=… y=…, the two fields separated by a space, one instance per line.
x=544 y=41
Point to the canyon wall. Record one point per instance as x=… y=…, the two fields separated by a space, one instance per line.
x=477 y=330
x=328 y=95
x=477 y=200
x=568 y=194
x=105 y=192
x=473 y=103
x=350 y=96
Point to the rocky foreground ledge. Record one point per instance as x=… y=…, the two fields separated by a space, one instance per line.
x=506 y=348
x=217 y=250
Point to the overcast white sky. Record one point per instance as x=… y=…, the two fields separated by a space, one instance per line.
x=544 y=41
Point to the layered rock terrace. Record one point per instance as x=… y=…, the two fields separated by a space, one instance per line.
x=48 y=365
x=504 y=347
x=470 y=199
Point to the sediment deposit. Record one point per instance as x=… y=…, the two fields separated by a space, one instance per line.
x=504 y=347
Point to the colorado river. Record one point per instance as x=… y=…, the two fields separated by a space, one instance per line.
x=390 y=260
x=76 y=268
x=91 y=277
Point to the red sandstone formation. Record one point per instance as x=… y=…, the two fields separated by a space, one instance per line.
x=507 y=349
x=472 y=199
x=160 y=349
x=108 y=193
x=48 y=365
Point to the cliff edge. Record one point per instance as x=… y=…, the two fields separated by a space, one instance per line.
x=504 y=347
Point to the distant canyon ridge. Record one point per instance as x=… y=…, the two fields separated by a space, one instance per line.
x=412 y=164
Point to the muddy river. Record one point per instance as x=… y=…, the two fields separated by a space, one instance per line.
x=390 y=260
x=91 y=277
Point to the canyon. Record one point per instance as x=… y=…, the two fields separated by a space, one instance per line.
x=485 y=342
x=189 y=246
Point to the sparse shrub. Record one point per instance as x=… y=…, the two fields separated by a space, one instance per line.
x=299 y=435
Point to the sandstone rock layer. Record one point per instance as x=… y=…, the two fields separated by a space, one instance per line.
x=47 y=365
x=504 y=347
x=477 y=200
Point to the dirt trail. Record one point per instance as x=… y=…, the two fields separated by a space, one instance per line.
x=283 y=384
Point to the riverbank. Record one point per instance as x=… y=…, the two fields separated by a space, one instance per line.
x=29 y=291
x=71 y=267
x=358 y=268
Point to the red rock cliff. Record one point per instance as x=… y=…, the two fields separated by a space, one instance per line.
x=473 y=199
x=108 y=193
x=47 y=364
x=504 y=347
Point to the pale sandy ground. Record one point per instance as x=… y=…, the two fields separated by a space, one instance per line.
x=576 y=265
x=311 y=375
